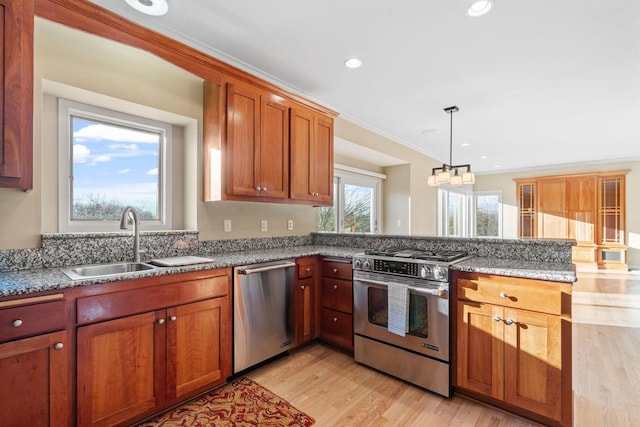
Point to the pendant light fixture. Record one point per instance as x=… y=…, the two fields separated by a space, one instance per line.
x=150 y=7
x=443 y=175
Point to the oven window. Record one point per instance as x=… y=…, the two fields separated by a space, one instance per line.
x=378 y=314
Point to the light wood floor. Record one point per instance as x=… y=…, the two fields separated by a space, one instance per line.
x=329 y=386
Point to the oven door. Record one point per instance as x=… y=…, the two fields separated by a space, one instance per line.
x=428 y=312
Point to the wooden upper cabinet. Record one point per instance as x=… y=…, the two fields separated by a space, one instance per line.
x=256 y=144
x=311 y=157
x=16 y=93
x=581 y=212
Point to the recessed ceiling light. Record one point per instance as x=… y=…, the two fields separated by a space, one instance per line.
x=353 y=63
x=150 y=7
x=484 y=157
x=480 y=7
x=465 y=144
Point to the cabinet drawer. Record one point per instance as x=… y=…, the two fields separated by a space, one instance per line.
x=338 y=270
x=526 y=294
x=32 y=319
x=337 y=294
x=306 y=269
x=337 y=328
x=117 y=304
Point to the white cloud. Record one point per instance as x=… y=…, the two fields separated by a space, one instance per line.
x=123 y=171
x=153 y=171
x=81 y=154
x=123 y=147
x=101 y=158
x=98 y=132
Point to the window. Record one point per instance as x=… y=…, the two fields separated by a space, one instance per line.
x=108 y=161
x=462 y=213
x=356 y=204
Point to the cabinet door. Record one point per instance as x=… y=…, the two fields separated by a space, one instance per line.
x=552 y=208
x=527 y=210
x=274 y=150
x=16 y=94
x=304 y=311
x=321 y=165
x=533 y=362
x=480 y=351
x=337 y=328
x=311 y=157
x=34 y=385
x=581 y=208
x=198 y=346
x=120 y=368
x=242 y=146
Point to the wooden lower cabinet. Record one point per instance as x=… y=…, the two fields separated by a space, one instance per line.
x=131 y=366
x=517 y=358
x=336 y=301
x=35 y=377
x=305 y=300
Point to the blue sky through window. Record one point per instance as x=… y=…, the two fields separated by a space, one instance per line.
x=115 y=164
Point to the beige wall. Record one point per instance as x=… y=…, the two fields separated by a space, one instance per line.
x=505 y=183
x=420 y=199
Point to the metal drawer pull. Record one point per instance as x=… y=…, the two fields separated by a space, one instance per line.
x=335 y=286
x=503 y=295
x=335 y=319
x=17 y=323
x=497 y=318
x=308 y=269
x=302 y=287
x=509 y=322
x=335 y=270
x=160 y=321
x=173 y=318
x=58 y=346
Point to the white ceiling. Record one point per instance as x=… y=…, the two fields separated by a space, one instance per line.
x=547 y=82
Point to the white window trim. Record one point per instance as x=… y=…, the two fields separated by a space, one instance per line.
x=500 y=224
x=66 y=109
x=344 y=175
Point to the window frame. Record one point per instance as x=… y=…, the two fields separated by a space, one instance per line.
x=343 y=176
x=68 y=109
x=469 y=211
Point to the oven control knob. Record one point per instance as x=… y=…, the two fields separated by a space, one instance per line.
x=357 y=263
x=366 y=265
x=440 y=273
x=424 y=271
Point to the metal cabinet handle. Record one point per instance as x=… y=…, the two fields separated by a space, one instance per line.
x=509 y=322
x=58 y=346
x=503 y=295
x=497 y=318
x=335 y=270
x=308 y=269
x=335 y=319
x=173 y=318
x=302 y=287
x=257 y=188
x=160 y=321
x=17 y=323
x=335 y=287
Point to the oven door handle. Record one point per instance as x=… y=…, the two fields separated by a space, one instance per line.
x=432 y=292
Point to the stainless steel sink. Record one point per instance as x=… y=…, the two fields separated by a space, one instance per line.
x=102 y=270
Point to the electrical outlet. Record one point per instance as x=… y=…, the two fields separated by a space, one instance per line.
x=290 y=224
x=227 y=225
x=263 y=225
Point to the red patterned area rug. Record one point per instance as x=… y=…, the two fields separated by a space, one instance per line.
x=242 y=402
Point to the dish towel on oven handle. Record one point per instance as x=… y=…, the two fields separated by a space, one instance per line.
x=398 y=309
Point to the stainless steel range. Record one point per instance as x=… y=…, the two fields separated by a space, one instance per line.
x=401 y=314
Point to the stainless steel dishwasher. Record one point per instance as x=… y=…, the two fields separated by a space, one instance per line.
x=262 y=301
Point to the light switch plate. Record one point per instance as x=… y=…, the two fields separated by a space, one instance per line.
x=263 y=225
x=227 y=225
x=290 y=224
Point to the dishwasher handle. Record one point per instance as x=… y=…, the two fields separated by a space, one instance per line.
x=247 y=271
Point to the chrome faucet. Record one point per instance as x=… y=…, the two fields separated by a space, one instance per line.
x=129 y=215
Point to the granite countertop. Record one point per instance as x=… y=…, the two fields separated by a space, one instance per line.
x=29 y=281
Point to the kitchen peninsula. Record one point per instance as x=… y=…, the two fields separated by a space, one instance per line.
x=76 y=314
